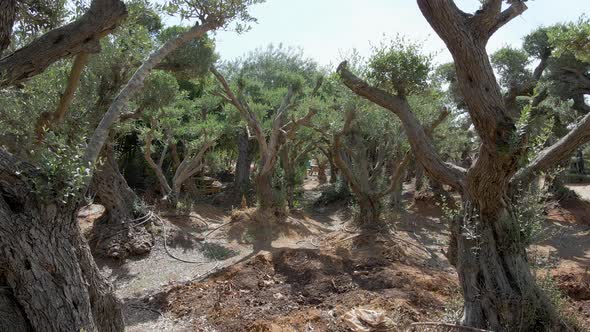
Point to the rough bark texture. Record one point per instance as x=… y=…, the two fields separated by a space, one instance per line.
x=82 y=35
x=46 y=261
x=7 y=17
x=322 y=177
x=267 y=198
x=116 y=234
x=499 y=290
x=243 y=164
x=12 y=317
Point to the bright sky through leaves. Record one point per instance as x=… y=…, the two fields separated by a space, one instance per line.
x=326 y=28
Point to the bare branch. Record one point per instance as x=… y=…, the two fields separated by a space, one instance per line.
x=418 y=138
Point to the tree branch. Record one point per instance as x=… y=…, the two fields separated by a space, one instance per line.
x=147 y=153
x=490 y=17
x=82 y=35
x=551 y=156
x=421 y=145
x=243 y=109
x=337 y=152
x=48 y=120
x=136 y=83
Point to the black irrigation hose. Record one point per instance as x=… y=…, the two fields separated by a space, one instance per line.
x=165 y=227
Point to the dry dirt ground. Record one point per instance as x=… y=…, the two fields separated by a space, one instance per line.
x=310 y=272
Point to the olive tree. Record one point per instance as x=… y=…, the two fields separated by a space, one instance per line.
x=499 y=289
x=47 y=266
x=275 y=92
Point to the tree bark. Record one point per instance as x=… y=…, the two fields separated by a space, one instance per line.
x=369 y=212
x=7 y=18
x=499 y=290
x=267 y=198
x=322 y=178
x=82 y=35
x=244 y=162
x=116 y=235
x=289 y=169
x=333 y=172
x=46 y=261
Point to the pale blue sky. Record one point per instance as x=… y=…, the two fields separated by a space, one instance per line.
x=325 y=28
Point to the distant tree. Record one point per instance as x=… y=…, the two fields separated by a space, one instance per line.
x=271 y=85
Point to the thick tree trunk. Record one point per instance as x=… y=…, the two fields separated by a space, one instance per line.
x=116 y=235
x=243 y=164
x=322 y=178
x=419 y=183
x=396 y=199
x=499 y=290
x=369 y=212
x=267 y=198
x=46 y=261
x=333 y=173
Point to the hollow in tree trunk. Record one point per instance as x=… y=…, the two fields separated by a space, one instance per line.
x=117 y=235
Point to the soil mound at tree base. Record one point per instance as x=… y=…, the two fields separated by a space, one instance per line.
x=308 y=289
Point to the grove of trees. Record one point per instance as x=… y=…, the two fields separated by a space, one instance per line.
x=101 y=102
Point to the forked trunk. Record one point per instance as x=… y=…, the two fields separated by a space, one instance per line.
x=499 y=289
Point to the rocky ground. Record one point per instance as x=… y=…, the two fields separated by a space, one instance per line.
x=314 y=271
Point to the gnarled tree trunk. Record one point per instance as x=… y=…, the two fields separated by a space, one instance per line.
x=267 y=198
x=499 y=290
x=117 y=235
x=369 y=211
x=46 y=261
